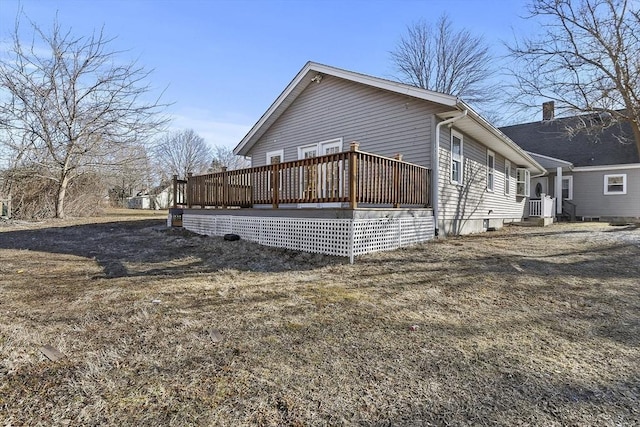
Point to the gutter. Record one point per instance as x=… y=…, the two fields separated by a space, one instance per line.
x=435 y=191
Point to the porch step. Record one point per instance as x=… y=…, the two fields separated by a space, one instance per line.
x=533 y=222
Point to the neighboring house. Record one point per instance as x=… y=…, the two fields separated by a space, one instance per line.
x=5 y=201
x=594 y=175
x=5 y=206
x=159 y=198
x=473 y=176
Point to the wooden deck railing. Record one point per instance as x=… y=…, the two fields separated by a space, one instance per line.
x=352 y=177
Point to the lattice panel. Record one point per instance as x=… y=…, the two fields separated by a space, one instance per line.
x=372 y=235
x=326 y=236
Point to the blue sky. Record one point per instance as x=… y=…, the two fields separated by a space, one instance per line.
x=224 y=62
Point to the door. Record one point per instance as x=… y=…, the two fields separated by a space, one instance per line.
x=540 y=186
x=320 y=180
x=309 y=173
x=331 y=171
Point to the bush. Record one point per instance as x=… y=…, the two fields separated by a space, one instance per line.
x=34 y=197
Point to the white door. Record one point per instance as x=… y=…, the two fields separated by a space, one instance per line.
x=330 y=176
x=539 y=186
x=320 y=180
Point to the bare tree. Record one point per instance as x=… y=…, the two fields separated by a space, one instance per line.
x=181 y=152
x=587 y=60
x=68 y=103
x=439 y=58
x=225 y=157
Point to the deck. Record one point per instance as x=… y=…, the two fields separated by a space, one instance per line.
x=343 y=204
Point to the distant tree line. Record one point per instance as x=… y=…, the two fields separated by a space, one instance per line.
x=79 y=128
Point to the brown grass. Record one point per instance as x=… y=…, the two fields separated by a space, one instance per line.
x=518 y=327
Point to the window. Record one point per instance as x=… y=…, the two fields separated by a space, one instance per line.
x=491 y=169
x=456 y=158
x=522 y=182
x=567 y=188
x=507 y=177
x=615 y=184
x=275 y=157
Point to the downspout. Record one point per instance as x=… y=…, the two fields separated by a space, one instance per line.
x=435 y=191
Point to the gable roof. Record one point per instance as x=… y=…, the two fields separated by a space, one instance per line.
x=550 y=138
x=472 y=124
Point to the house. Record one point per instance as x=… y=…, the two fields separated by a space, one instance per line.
x=593 y=173
x=378 y=164
x=5 y=200
x=160 y=197
x=5 y=206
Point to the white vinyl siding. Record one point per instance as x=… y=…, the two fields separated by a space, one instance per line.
x=462 y=206
x=615 y=184
x=491 y=170
x=591 y=185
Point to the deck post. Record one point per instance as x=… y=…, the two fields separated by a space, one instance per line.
x=189 y=189
x=175 y=191
x=276 y=185
x=353 y=175
x=225 y=189
x=396 y=181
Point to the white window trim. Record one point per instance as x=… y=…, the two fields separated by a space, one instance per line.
x=304 y=147
x=461 y=160
x=624 y=184
x=491 y=171
x=331 y=143
x=570 y=179
x=321 y=146
x=275 y=153
x=507 y=177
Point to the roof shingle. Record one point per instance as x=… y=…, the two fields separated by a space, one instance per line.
x=551 y=138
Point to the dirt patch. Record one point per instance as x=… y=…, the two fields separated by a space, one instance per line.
x=525 y=326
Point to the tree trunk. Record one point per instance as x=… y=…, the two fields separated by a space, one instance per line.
x=62 y=192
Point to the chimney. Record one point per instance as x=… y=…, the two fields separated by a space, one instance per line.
x=548 y=111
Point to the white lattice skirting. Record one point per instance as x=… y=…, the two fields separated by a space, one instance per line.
x=340 y=237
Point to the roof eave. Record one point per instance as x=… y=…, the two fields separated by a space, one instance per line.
x=487 y=134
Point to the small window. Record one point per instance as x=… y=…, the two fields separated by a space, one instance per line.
x=567 y=188
x=507 y=177
x=522 y=182
x=275 y=157
x=456 y=158
x=491 y=169
x=615 y=184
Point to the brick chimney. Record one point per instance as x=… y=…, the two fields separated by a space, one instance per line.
x=548 y=111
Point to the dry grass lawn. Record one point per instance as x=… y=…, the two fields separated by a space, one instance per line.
x=526 y=326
